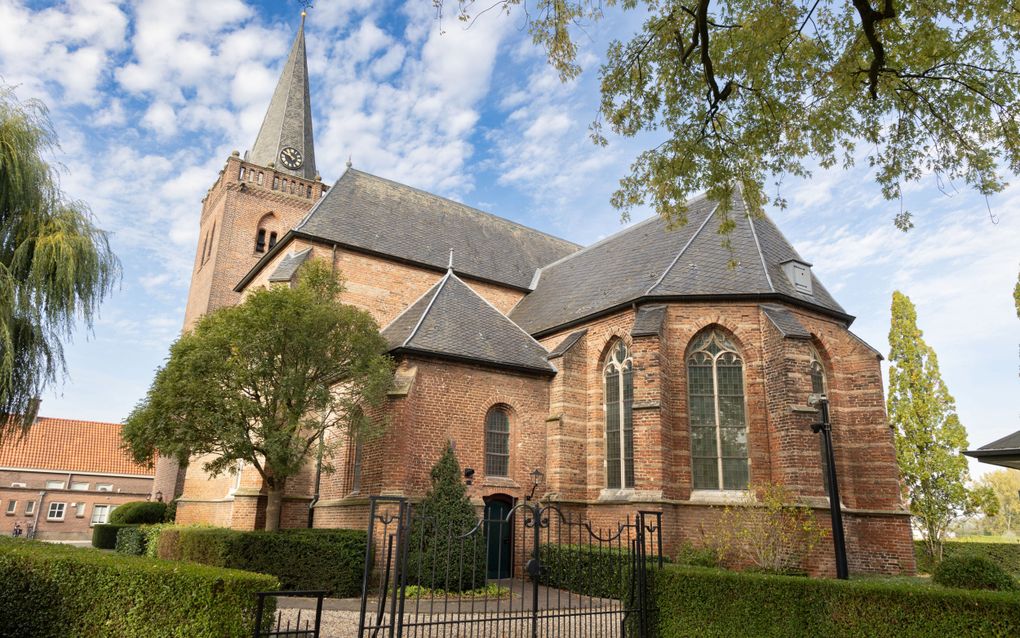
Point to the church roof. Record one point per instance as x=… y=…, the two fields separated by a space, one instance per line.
x=379 y=216
x=650 y=261
x=289 y=265
x=451 y=320
x=288 y=122
x=1004 y=452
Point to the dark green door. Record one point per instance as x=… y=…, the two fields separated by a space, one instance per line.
x=498 y=539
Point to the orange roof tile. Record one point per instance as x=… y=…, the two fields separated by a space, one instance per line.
x=70 y=445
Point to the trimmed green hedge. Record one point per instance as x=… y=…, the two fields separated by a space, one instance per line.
x=694 y=601
x=140 y=512
x=591 y=571
x=105 y=536
x=1006 y=555
x=329 y=559
x=68 y=592
x=970 y=571
x=131 y=540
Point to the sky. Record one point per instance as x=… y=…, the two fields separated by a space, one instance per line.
x=149 y=98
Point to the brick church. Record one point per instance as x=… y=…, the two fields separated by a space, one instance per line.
x=641 y=372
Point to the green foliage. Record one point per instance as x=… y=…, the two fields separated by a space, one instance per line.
x=602 y=572
x=1005 y=485
x=440 y=556
x=171 y=512
x=131 y=540
x=56 y=266
x=1007 y=555
x=929 y=436
x=695 y=556
x=302 y=559
x=970 y=571
x=492 y=590
x=143 y=512
x=55 y=591
x=260 y=381
x=693 y=601
x=104 y=536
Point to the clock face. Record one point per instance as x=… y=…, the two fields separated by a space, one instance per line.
x=291 y=158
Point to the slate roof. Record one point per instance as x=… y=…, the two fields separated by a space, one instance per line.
x=650 y=261
x=648 y=321
x=288 y=266
x=1004 y=452
x=451 y=320
x=70 y=445
x=567 y=343
x=380 y=216
x=786 y=322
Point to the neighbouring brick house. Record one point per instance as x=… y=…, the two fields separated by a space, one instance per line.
x=655 y=369
x=65 y=476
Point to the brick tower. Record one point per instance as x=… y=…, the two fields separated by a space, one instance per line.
x=252 y=203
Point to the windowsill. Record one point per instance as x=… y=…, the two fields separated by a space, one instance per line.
x=721 y=497
x=616 y=494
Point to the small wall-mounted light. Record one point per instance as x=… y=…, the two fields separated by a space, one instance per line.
x=159 y=496
x=469 y=475
x=536 y=480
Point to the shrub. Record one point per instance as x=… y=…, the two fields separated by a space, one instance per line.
x=131 y=540
x=969 y=571
x=140 y=512
x=694 y=556
x=171 y=512
x=601 y=572
x=105 y=536
x=303 y=559
x=151 y=541
x=56 y=591
x=1005 y=554
x=443 y=516
x=695 y=601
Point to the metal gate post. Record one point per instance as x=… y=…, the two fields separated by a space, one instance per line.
x=536 y=510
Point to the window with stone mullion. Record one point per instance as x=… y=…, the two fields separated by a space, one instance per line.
x=619 y=403
x=818 y=387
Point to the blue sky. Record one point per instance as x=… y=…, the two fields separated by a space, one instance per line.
x=149 y=98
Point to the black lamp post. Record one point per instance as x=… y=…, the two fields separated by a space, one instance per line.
x=838 y=538
x=536 y=479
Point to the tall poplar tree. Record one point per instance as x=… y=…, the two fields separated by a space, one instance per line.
x=56 y=266
x=928 y=433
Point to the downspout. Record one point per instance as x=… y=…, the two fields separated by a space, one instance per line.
x=318 y=480
x=38 y=508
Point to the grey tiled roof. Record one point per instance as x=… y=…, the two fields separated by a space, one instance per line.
x=1008 y=442
x=785 y=322
x=567 y=343
x=452 y=320
x=288 y=120
x=648 y=321
x=1004 y=452
x=288 y=266
x=376 y=215
x=649 y=261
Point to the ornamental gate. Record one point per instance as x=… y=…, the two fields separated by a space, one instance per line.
x=527 y=571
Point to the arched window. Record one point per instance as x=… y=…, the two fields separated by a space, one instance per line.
x=715 y=385
x=619 y=399
x=272 y=240
x=497 y=442
x=819 y=386
x=260 y=241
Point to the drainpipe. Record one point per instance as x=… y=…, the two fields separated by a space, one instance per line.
x=318 y=480
x=38 y=508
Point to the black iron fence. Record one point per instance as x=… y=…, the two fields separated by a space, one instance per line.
x=290 y=622
x=528 y=570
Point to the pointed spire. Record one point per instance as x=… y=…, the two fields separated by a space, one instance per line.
x=288 y=122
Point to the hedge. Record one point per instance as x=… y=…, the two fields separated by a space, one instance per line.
x=303 y=559
x=131 y=540
x=971 y=571
x=68 y=592
x=140 y=512
x=588 y=570
x=696 y=601
x=105 y=536
x=1007 y=555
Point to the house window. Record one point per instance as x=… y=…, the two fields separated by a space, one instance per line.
x=104 y=487
x=79 y=510
x=56 y=512
x=18 y=485
x=79 y=487
x=260 y=241
x=715 y=385
x=100 y=514
x=54 y=485
x=497 y=442
x=619 y=398
x=12 y=508
x=29 y=508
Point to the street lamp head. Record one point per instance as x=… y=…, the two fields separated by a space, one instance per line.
x=536 y=477
x=469 y=475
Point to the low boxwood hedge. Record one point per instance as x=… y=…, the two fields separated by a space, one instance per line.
x=105 y=536
x=131 y=540
x=303 y=559
x=140 y=512
x=1006 y=555
x=588 y=570
x=971 y=571
x=68 y=592
x=696 y=601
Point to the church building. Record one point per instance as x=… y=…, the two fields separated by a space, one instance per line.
x=654 y=370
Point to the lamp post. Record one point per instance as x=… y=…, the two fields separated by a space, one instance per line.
x=536 y=479
x=824 y=427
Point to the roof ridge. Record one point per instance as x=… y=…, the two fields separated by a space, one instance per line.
x=683 y=250
x=462 y=205
x=421 y=319
x=318 y=202
x=757 y=244
x=410 y=305
x=511 y=321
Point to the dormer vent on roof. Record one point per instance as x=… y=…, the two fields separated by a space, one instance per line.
x=799 y=274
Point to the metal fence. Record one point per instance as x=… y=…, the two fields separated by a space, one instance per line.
x=530 y=570
x=280 y=624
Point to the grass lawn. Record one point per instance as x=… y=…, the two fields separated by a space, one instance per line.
x=987 y=539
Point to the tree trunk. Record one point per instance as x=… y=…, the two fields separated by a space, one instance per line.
x=274 y=504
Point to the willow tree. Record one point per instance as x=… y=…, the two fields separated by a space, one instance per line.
x=56 y=266
x=741 y=91
x=929 y=436
x=264 y=382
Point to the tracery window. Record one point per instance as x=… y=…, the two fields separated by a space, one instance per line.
x=497 y=442
x=715 y=385
x=819 y=386
x=619 y=400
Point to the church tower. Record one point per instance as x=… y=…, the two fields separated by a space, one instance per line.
x=252 y=203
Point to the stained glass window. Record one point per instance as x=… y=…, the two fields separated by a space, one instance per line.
x=619 y=400
x=497 y=442
x=715 y=386
x=818 y=386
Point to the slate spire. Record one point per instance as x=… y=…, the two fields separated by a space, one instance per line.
x=285 y=137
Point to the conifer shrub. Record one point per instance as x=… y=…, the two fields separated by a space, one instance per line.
x=970 y=571
x=447 y=544
x=139 y=512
